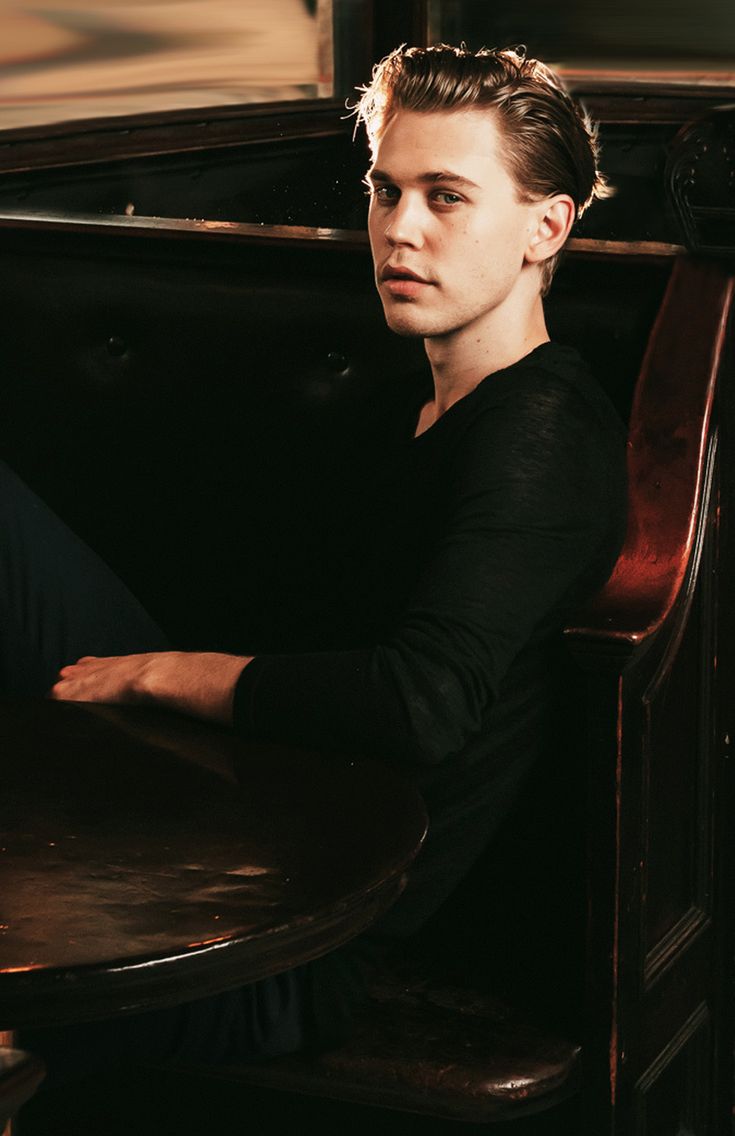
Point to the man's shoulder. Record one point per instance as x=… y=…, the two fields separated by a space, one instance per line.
x=551 y=379
x=546 y=409
x=554 y=368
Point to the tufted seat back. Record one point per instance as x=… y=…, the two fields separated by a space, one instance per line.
x=166 y=392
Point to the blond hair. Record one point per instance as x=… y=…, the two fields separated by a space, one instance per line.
x=551 y=144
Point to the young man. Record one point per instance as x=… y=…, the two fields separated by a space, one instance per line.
x=497 y=506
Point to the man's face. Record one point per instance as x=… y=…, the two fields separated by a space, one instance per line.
x=447 y=230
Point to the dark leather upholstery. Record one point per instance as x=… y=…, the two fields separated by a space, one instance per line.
x=166 y=396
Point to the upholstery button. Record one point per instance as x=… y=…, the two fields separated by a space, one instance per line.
x=337 y=362
x=116 y=346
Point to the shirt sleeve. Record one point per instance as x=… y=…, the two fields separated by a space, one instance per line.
x=532 y=513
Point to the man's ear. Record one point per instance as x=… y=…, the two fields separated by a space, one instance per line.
x=554 y=218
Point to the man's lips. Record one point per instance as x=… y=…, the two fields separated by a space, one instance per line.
x=401 y=281
x=398 y=273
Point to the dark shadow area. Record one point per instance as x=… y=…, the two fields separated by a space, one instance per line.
x=158 y=1104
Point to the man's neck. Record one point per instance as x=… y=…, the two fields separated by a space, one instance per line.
x=460 y=361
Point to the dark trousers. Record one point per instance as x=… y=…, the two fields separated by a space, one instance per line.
x=59 y=601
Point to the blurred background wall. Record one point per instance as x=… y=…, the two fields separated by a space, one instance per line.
x=76 y=59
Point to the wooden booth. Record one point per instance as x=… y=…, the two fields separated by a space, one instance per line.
x=188 y=312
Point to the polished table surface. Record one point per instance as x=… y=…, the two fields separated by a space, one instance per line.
x=146 y=859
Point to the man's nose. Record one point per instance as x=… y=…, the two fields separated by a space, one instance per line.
x=406 y=224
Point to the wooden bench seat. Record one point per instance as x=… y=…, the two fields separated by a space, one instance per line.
x=429 y=1048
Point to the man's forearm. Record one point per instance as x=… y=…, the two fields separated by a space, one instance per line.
x=198 y=683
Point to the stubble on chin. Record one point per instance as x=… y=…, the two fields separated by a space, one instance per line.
x=404 y=319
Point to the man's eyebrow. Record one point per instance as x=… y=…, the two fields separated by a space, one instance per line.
x=377 y=175
x=444 y=176
x=439 y=176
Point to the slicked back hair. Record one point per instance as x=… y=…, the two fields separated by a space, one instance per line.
x=549 y=144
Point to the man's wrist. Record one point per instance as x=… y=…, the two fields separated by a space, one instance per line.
x=198 y=683
x=155 y=678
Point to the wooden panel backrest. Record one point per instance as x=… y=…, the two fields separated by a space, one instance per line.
x=655 y=648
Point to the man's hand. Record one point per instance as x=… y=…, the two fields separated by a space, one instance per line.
x=198 y=683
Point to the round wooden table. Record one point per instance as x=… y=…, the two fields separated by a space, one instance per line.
x=146 y=859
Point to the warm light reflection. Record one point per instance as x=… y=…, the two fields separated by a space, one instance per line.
x=218 y=943
x=72 y=59
x=208 y=942
x=216 y=226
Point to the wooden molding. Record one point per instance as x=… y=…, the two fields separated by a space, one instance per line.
x=143 y=135
x=292 y=235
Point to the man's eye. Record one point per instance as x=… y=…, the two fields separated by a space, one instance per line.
x=444 y=197
x=385 y=194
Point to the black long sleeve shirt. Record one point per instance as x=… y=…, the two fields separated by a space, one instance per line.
x=427 y=610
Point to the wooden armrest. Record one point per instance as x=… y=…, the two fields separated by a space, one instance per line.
x=671 y=447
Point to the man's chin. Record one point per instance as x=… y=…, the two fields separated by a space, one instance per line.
x=404 y=321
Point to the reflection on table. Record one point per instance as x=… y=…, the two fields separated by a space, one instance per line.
x=147 y=859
